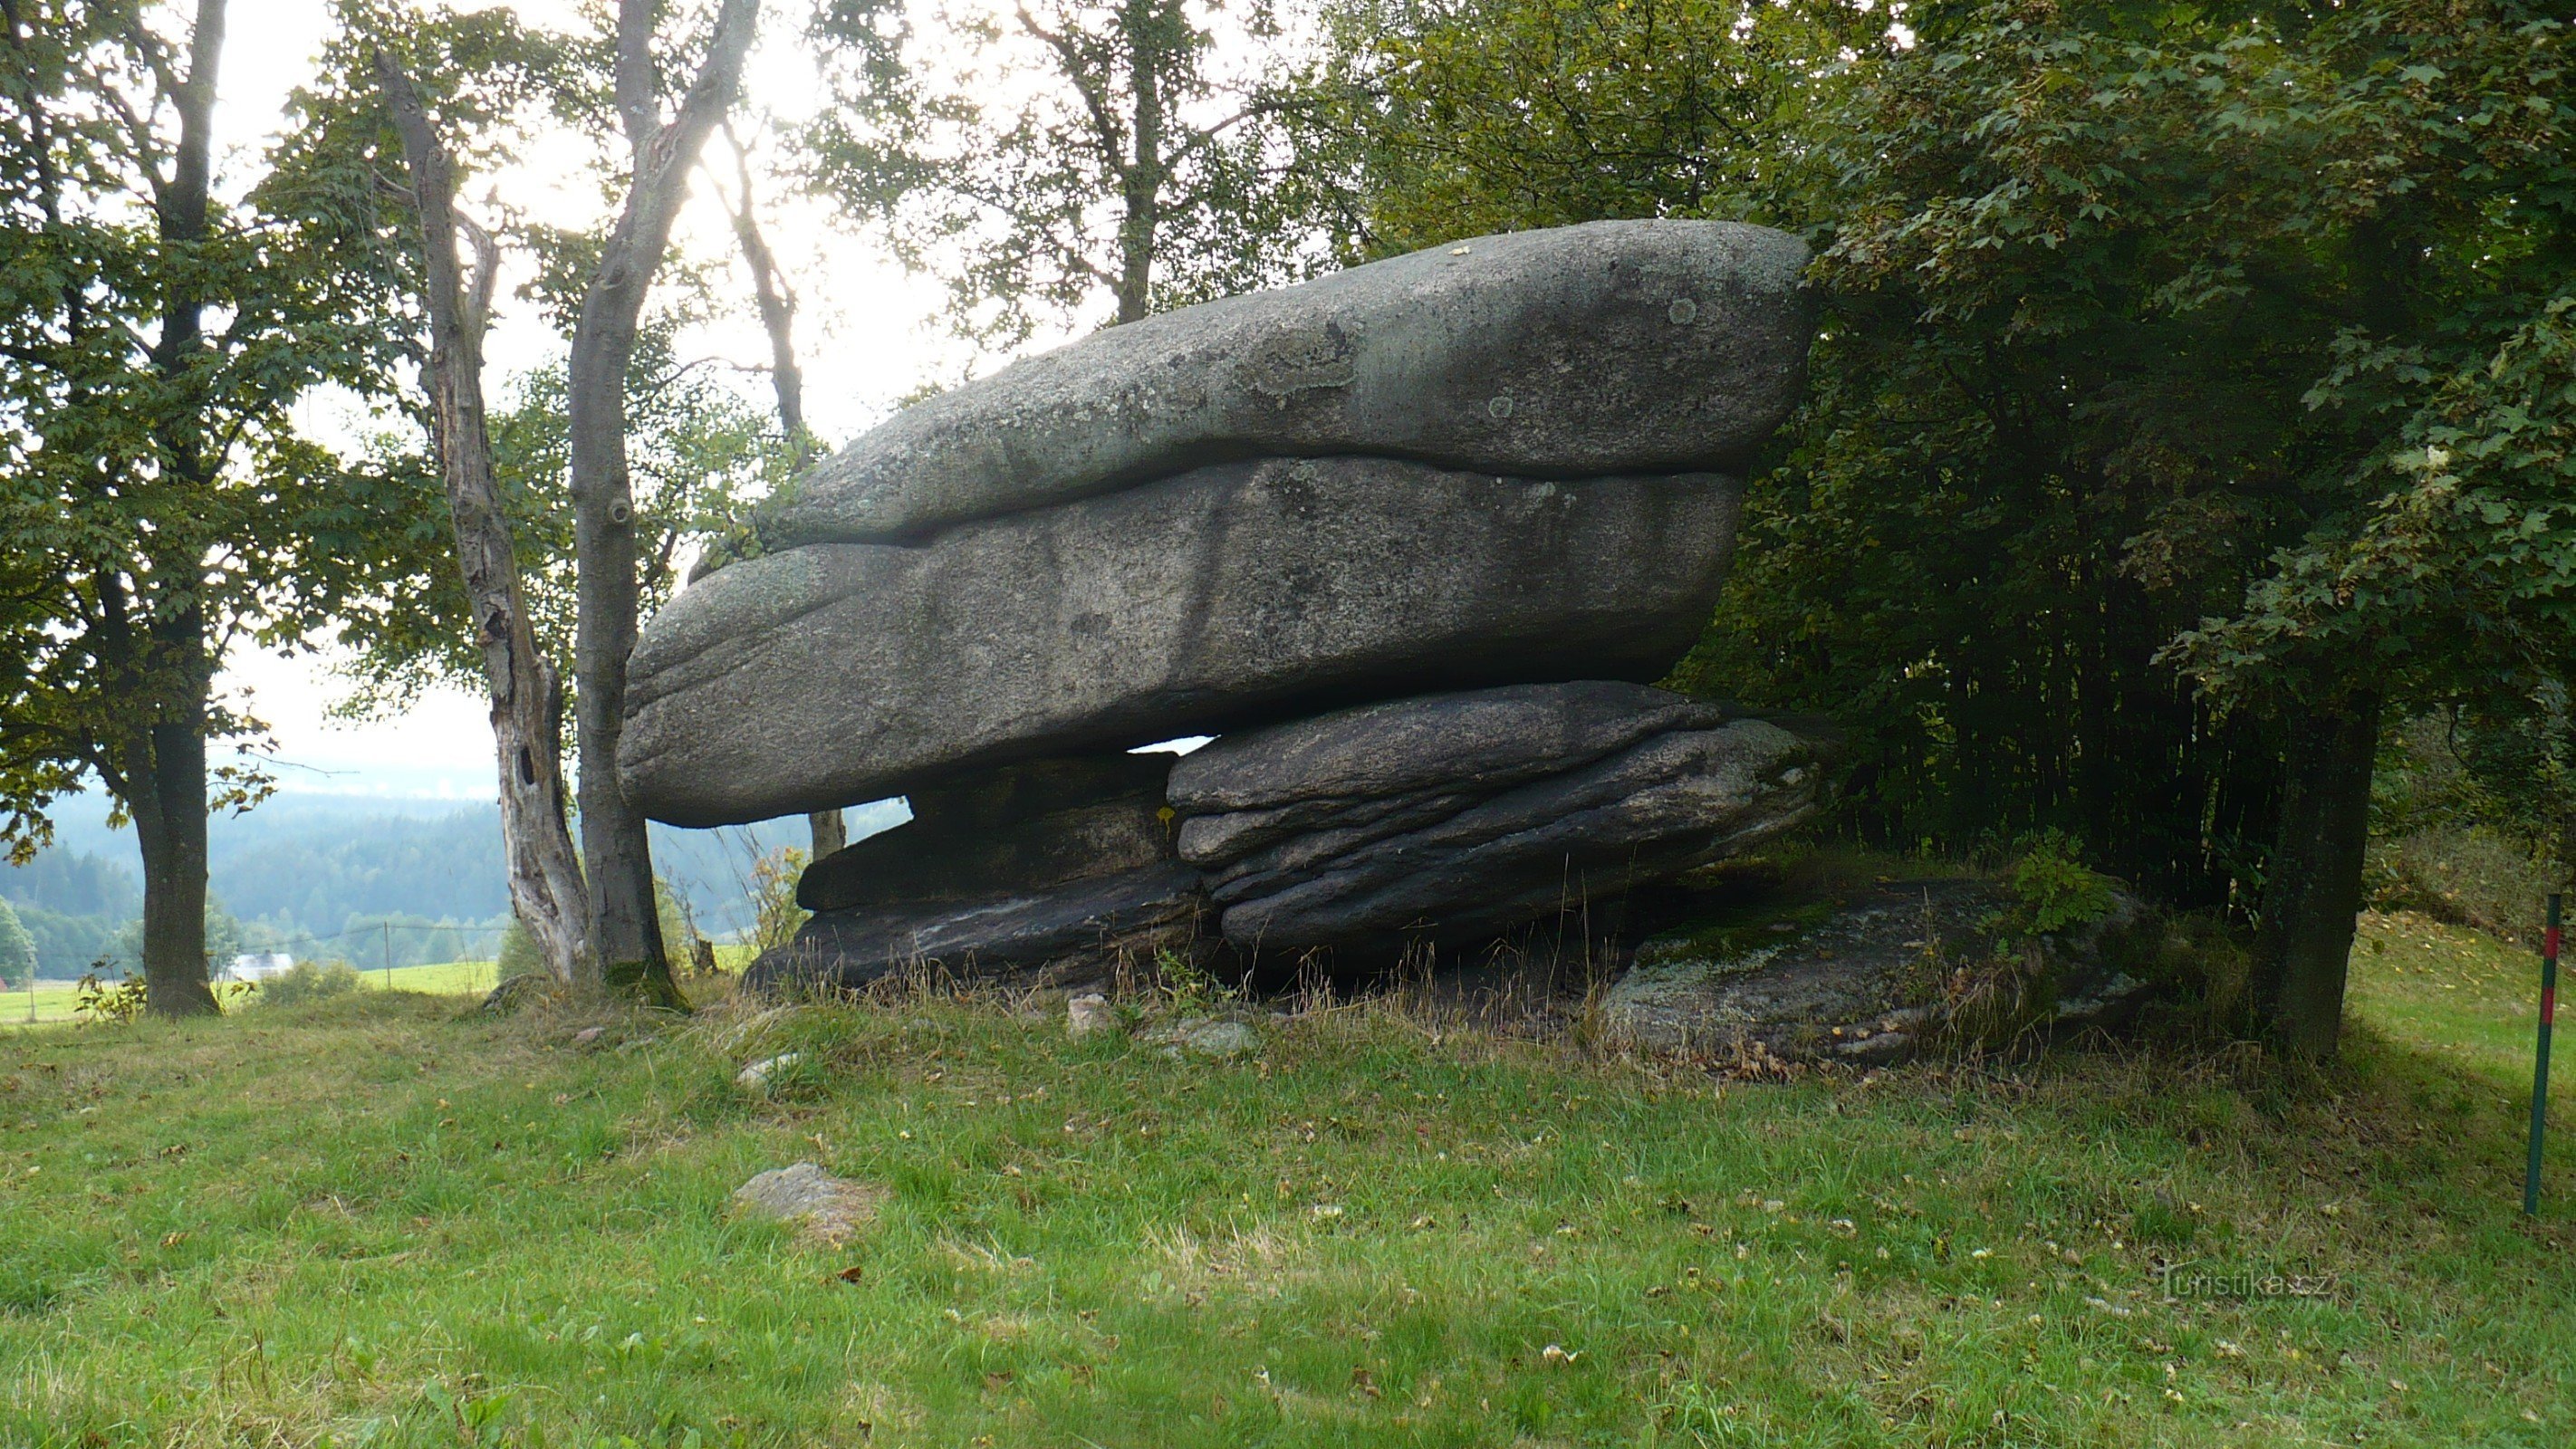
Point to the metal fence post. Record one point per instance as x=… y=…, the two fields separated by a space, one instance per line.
x=2540 y=1062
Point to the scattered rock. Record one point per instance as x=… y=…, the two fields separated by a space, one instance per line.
x=1611 y=347
x=1453 y=818
x=1224 y=1040
x=1084 y=1015
x=826 y=1209
x=517 y=994
x=1878 y=973
x=1231 y=595
x=756 y=1076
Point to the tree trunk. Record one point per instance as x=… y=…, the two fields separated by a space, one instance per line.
x=627 y=951
x=777 y=303
x=165 y=792
x=2304 y=944
x=546 y=888
x=164 y=769
x=1146 y=28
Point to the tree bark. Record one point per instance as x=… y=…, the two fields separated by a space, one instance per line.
x=777 y=304
x=165 y=793
x=2303 y=946
x=627 y=951
x=546 y=887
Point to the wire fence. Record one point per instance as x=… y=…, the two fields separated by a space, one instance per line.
x=42 y=1001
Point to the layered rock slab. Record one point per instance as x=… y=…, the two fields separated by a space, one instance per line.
x=1050 y=869
x=1454 y=818
x=1235 y=593
x=1075 y=931
x=1606 y=348
x=1012 y=831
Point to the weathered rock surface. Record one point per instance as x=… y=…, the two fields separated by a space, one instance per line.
x=1015 y=830
x=1078 y=930
x=1879 y=973
x=1045 y=870
x=1228 y=595
x=1384 y=764
x=828 y=1209
x=1611 y=347
x=1453 y=818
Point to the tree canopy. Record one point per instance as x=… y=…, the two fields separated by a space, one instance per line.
x=156 y=333
x=2193 y=377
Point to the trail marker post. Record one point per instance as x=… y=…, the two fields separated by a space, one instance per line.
x=2540 y=1061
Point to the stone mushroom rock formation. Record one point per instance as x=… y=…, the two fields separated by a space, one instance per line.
x=1452 y=818
x=1500 y=462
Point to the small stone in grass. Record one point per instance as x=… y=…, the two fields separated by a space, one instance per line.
x=757 y=1075
x=1084 y=1015
x=1220 y=1039
x=824 y=1208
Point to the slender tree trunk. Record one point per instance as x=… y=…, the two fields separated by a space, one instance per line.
x=2304 y=944
x=627 y=950
x=777 y=303
x=546 y=888
x=1142 y=181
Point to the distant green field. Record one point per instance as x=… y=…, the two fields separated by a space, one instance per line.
x=55 y=1001
x=445 y=978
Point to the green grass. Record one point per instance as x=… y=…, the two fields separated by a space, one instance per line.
x=443 y=977
x=52 y=1002
x=384 y=1221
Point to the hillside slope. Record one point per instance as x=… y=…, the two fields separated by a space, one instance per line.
x=386 y=1223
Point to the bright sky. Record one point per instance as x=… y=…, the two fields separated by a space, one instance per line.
x=863 y=328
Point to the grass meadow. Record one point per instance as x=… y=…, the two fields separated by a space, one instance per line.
x=386 y=1220
x=53 y=1002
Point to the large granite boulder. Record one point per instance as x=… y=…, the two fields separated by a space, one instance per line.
x=1612 y=347
x=1233 y=594
x=1451 y=819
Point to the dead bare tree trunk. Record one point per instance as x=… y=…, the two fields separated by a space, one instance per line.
x=627 y=950
x=777 y=303
x=546 y=888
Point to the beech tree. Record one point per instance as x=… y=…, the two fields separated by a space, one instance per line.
x=626 y=935
x=547 y=892
x=1133 y=165
x=548 y=592
x=159 y=503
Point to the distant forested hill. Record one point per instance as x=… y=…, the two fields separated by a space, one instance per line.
x=321 y=875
